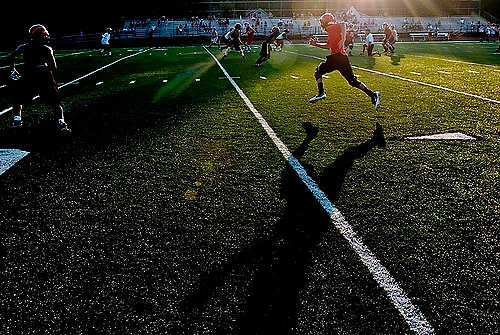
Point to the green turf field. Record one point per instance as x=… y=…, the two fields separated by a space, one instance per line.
x=171 y=210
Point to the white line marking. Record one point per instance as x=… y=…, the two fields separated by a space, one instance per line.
x=132 y=82
x=72 y=54
x=197 y=79
x=416 y=73
x=454 y=61
x=408 y=80
x=497 y=70
x=2 y=86
x=165 y=80
x=470 y=71
x=295 y=77
x=99 y=83
x=220 y=78
x=325 y=76
x=444 y=72
x=411 y=313
x=263 y=78
x=87 y=75
x=9 y=158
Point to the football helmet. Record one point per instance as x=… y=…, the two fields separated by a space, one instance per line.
x=326 y=19
x=38 y=32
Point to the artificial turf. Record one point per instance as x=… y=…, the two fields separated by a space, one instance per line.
x=171 y=211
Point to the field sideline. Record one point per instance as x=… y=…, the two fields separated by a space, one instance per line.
x=171 y=210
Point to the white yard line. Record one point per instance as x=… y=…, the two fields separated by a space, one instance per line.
x=85 y=76
x=9 y=158
x=411 y=313
x=455 y=61
x=72 y=54
x=407 y=79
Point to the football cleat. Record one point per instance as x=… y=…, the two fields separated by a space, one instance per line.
x=376 y=100
x=17 y=122
x=318 y=97
x=62 y=127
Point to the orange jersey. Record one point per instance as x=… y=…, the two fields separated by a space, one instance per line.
x=335 y=39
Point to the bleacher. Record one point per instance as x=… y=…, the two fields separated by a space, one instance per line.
x=417 y=28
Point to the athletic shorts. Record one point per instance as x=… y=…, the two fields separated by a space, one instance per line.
x=337 y=62
x=249 y=39
x=265 y=50
x=38 y=82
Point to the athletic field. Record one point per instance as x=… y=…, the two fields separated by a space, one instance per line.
x=199 y=196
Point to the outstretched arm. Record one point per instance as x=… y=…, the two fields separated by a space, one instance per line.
x=14 y=55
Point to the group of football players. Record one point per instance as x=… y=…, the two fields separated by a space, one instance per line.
x=40 y=64
x=339 y=38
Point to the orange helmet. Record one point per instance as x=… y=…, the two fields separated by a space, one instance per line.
x=326 y=18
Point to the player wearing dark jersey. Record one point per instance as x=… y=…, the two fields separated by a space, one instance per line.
x=249 y=36
x=265 y=51
x=233 y=41
x=37 y=76
x=349 y=40
x=389 y=40
x=338 y=60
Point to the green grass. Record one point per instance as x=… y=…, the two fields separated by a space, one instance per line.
x=171 y=211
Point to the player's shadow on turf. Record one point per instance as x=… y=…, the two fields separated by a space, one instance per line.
x=396 y=59
x=279 y=263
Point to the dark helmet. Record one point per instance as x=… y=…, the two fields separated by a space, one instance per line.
x=38 y=32
x=237 y=26
x=276 y=30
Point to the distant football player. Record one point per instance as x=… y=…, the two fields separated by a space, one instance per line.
x=249 y=36
x=225 y=40
x=37 y=76
x=338 y=60
x=265 y=51
x=388 y=39
x=214 y=38
x=349 y=40
x=105 y=42
x=234 y=41
x=395 y=37
x=369 y=44
x=280 y=40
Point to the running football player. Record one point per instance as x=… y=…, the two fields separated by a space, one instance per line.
x=37 y=76
x=338 y=60
x=395 y=37
x=386 y=43
x=214 y=37
x=280 y=40
x=265 y=51
x=105 y=39
x=234 y=41
x=249 y=36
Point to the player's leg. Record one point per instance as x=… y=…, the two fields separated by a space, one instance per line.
x=17 y=120
x=345 y=69
x=323 y=68
x=263 y=55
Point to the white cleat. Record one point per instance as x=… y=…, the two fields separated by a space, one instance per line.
x=376 y=100
x=318 y=97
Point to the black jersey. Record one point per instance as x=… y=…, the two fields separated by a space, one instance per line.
x=235 y=34
x=36 y=56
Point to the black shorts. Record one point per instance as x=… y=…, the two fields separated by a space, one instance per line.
x=337 y=62
x=265 y=50
x=35 y=83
